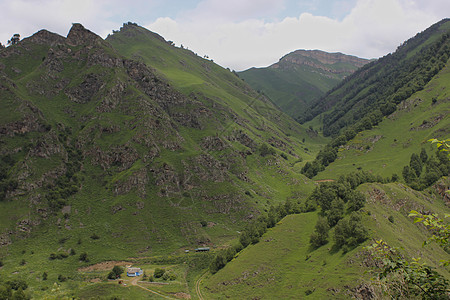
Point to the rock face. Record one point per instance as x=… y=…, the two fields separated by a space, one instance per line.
x=321 y=60
x=89 y=129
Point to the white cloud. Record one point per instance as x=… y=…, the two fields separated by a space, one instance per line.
x=372 y=29
x=238 y=33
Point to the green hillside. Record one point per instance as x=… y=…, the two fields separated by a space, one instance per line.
x=387 y=148
x=380 y=90
x=283 y=265
x=375 y=90
x=105 y=157
x=301 y=77
x=130 y=151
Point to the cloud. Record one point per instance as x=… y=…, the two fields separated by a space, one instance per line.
x=239 y=33
x=27 y=16
x=373 y=28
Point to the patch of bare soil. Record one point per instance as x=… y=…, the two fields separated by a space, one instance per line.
x=182 y=295
x=106 y=265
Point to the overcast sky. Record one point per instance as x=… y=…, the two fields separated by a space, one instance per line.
x=239 y=34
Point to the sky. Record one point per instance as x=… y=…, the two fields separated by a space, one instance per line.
x=239 y=34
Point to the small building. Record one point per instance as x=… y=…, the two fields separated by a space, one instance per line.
x=133 y=272
x=202 y=249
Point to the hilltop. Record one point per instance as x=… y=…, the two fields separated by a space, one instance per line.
x=301 y=77
x=116 y=156
x=130 y=151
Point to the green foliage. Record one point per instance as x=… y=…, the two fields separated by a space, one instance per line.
x=364 y=98
x=83 y=257
x=400 y=278
x=423 y=171
x=115 y=272
x=439 y=228
x=319 y=236
x=350 y=232
x=158 y=273
x=265 y=150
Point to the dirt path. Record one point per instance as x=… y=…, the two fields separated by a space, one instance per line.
x=135 y=281
x=197 y=287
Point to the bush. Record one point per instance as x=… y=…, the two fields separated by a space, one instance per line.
x=320 y=235
x=166 y=276
x=391 y=219
x=95 y=236
x=158 y=273
x=44 y=276
x=84 y=257
x=62 y=278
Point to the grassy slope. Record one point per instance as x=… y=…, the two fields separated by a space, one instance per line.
x=282 y=265
x=190 y=73
x=155 y=225
x=400 y=134
x=291 y=87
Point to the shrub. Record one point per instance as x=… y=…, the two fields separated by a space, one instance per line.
x=172 y=277
x=391 y=219
x=158 y=273
x=320 y=235
x=84 y=257
x=44 y=276
x=166 y=276
x=62 y=278
x=95 y=236
x=203 y=223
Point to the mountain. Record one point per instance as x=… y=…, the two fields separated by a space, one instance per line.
x=301 y=77
x=112 y=155
x=375 y=90
x=130 y=151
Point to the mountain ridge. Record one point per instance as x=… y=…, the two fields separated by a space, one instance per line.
x=301 y=76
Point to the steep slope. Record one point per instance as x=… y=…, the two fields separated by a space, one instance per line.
x=377 y=90
x=373 y=91
x=283 y=265
x=387 y=148
x=301 y=76
x=105 y=156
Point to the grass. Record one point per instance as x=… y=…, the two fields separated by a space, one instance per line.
x=387 y=148
x=282 y=264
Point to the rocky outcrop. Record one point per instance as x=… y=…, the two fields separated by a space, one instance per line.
x=321 y=60
x=85 y=91
x=78 y=35
x=138 y=180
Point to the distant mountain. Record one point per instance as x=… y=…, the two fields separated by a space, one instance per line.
x=301 y=76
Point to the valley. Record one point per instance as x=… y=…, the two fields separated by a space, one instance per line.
x=130 y=151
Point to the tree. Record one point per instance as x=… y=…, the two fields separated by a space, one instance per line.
x=401 y=278
x=115 y=273
x=14 y=40
x=158 y=273
x=319 y=236
x=356 y=201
